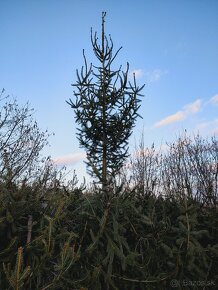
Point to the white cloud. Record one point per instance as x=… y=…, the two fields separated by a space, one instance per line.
x=138 y=73
x=208 y=128
x=215 y=131
x=69 y=159
x=150 y=76
x=214 y=100
x=201 y=126
x=181 y=115
x=193 y=107
x=155 y=75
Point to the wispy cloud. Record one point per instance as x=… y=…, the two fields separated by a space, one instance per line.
x=193 y=107
x=181 y=115
x=214 y=100
x=178 y=116
x=155 y=75
x=150 y=76
x=209 y=128
x=201 y=126
x=215 y=129
x=69 y=159
x=138 y=73
x=215 y=132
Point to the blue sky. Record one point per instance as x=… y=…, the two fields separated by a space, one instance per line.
x=172 y=46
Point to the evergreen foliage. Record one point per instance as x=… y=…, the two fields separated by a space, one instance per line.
x=132 y=243
x=106 y=109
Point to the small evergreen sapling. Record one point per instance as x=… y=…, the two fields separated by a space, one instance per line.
x=106 y=108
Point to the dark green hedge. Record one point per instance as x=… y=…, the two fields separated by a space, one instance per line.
x=87 y=241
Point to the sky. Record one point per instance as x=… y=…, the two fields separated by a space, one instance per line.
x=171 y=46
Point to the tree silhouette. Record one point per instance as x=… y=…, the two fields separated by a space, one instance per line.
x=106 y=109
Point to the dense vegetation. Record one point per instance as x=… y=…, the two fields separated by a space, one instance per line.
x=156 y=225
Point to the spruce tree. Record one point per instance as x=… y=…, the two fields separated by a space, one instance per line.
x=106 y=108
